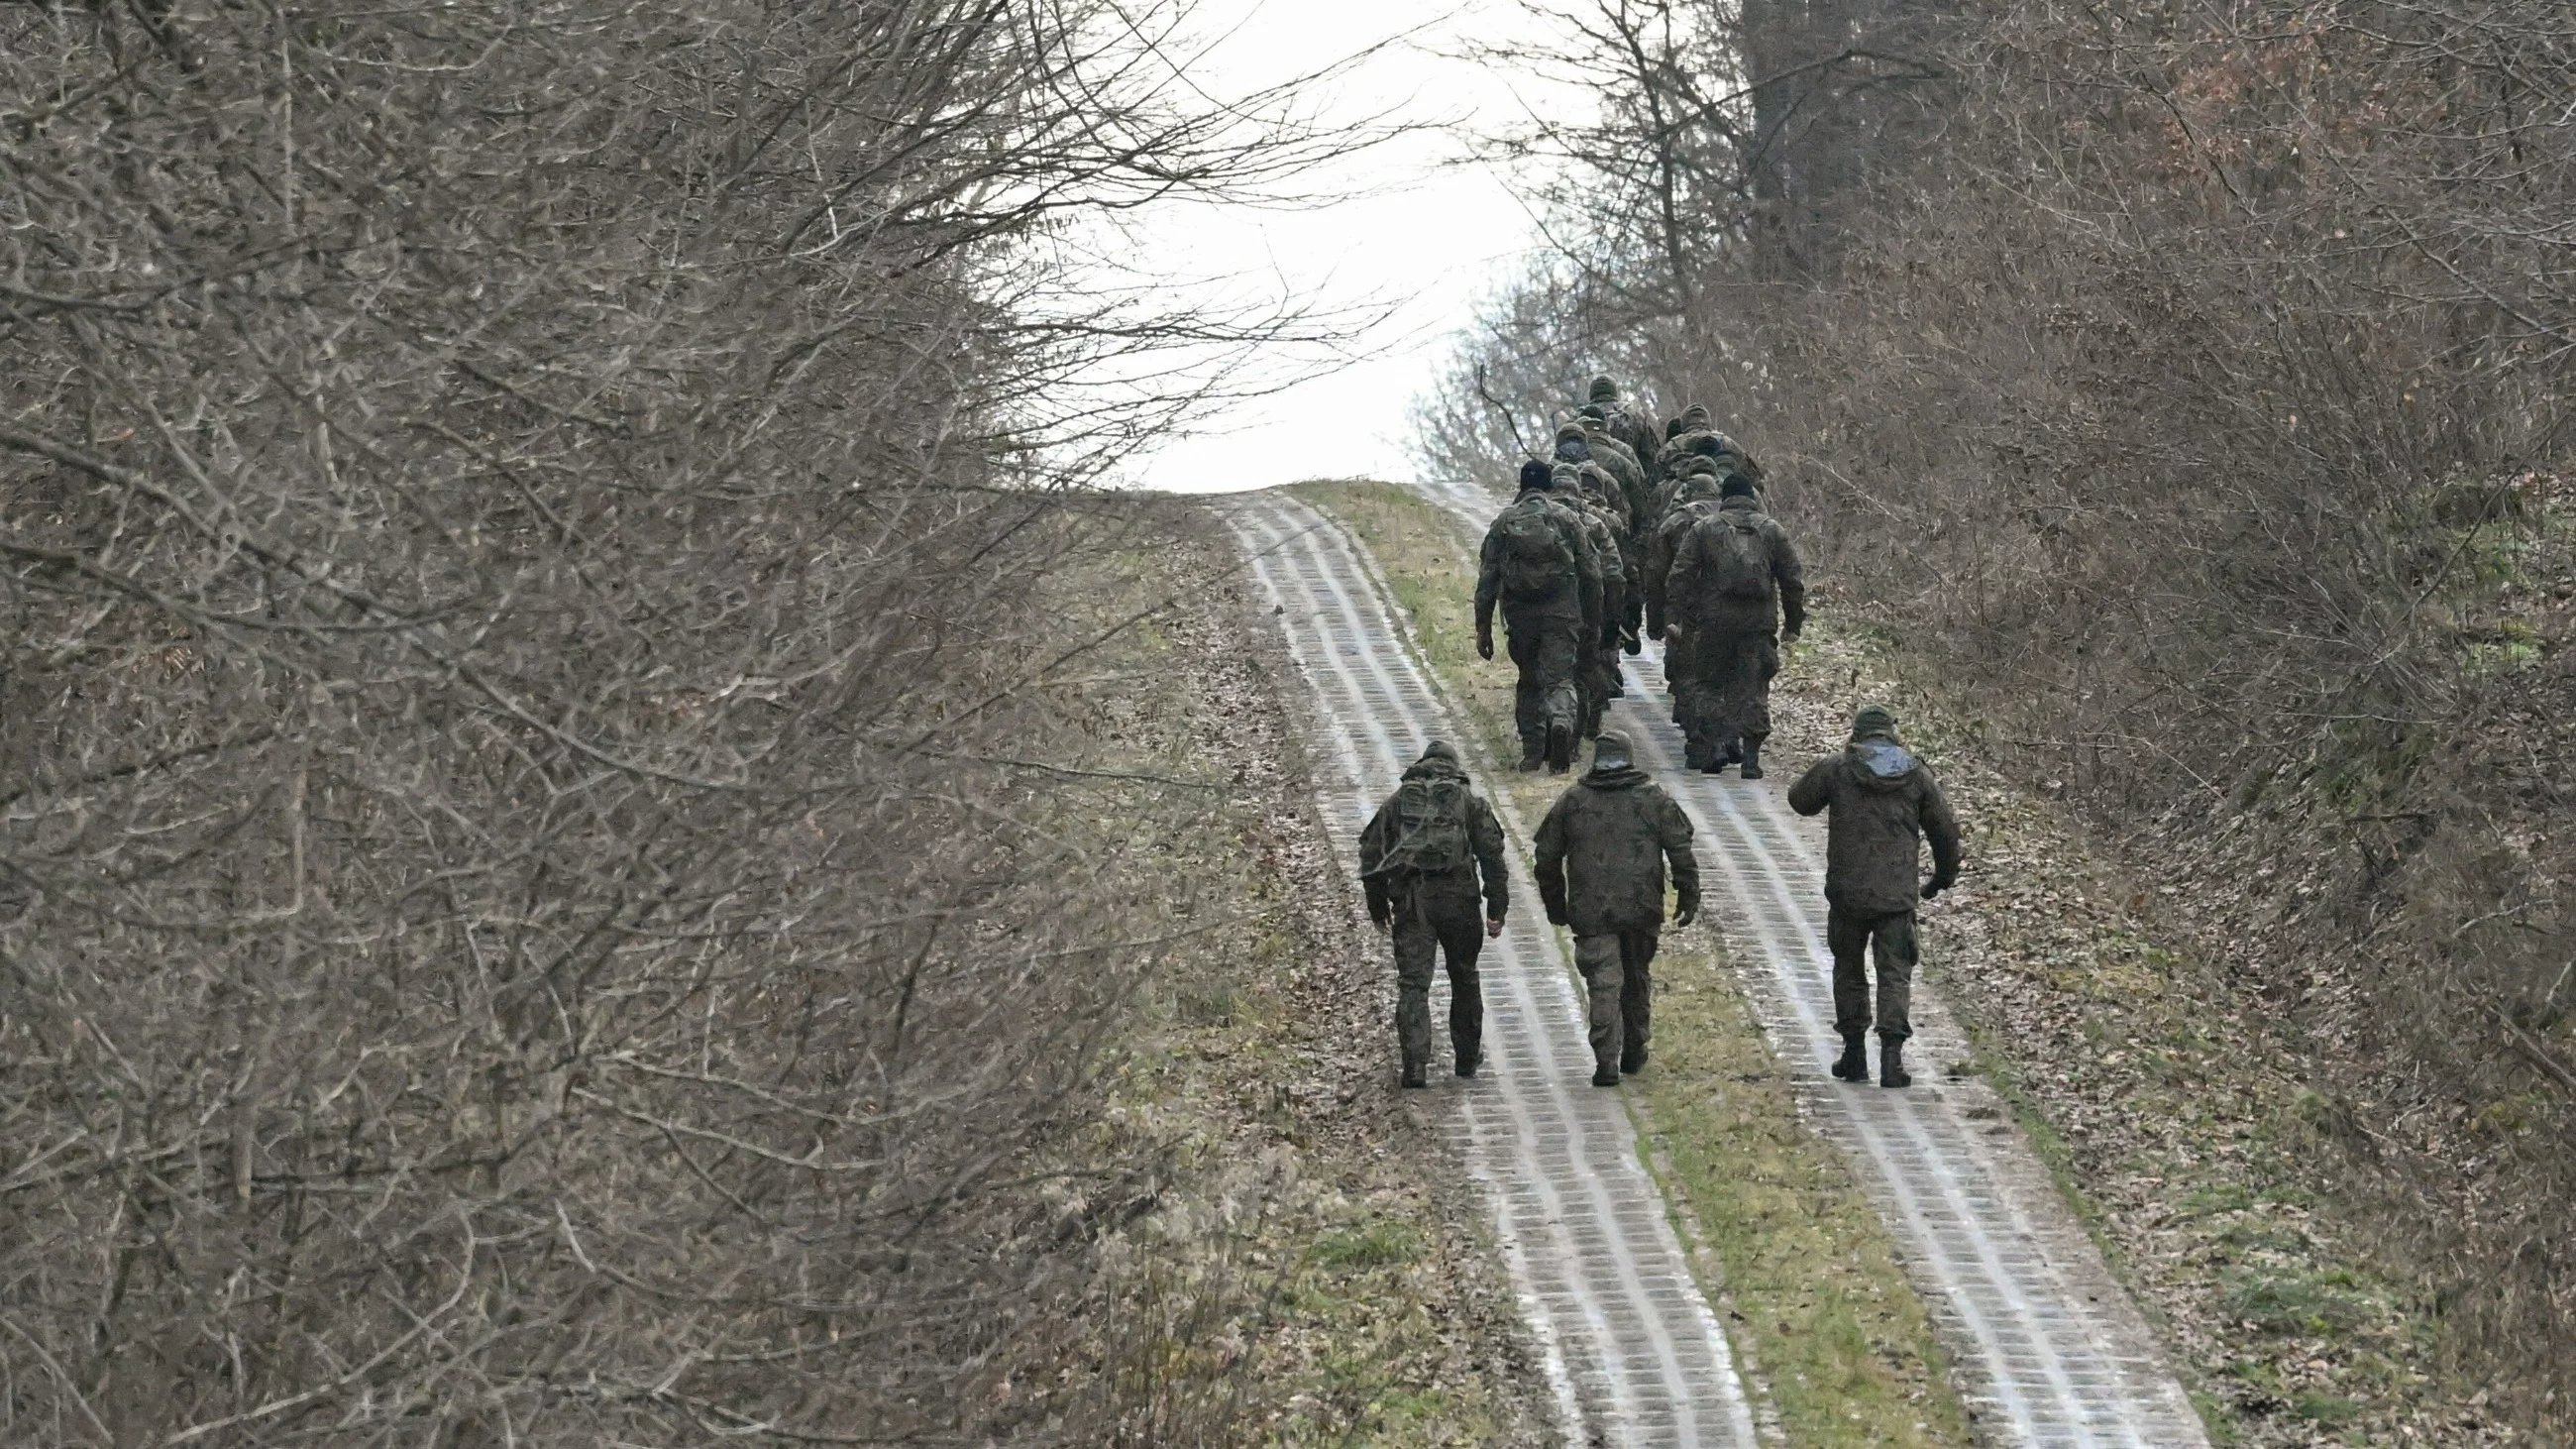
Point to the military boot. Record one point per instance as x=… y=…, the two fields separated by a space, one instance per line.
x=1752 y=761
x=1531 y=761
x=1560 y=749
x=1470 y=1057
x=1632 y=1060
x=1854 y=1066
x=1891 y=1063
x=1606 y=1077
x=1416 y=1075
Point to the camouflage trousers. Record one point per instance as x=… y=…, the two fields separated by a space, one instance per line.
x=1548 y=649
x=1619 y=990
x=1726 y=692
x=1859 y=939
x=1431 y=921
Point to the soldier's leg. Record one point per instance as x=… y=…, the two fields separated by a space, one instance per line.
x=1460 y=921
x=1763 y=666
x=1847 y=937
x=1636 y=995
x=1415 y=943
x=1560 y=655
x=1892 y=954
x=1529 y=692
x=1597 y=957
x=1700 y=704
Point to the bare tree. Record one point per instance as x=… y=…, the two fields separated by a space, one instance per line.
x=535 y=548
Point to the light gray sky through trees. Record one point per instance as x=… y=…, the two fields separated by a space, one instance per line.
x=1394 y=228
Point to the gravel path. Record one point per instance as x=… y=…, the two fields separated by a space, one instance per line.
x=1633 y=1352
x=2050 y=1349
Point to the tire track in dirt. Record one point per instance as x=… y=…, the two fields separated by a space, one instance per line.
x=1634 y=1353
x=2049 y=1348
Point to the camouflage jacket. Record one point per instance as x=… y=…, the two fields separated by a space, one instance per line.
x=1602 y=851
x=1484 y=837
x=1581 y=596
x=1884 y=803
x=1655 y=569
x=1690 y=591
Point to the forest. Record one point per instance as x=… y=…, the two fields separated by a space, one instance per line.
x=2184 y=384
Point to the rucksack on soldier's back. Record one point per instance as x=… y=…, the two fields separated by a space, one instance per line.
x=1739 y=560
x=1535 y=560
x=1430 y=829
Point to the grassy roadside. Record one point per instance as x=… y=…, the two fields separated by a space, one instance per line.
x=1829 y=1327
x=1296 y=1267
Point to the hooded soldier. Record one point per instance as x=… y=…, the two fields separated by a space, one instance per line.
x=1883 y=803
x=1425 y=858
x=1636 y=494
x=1734 y=583
x=1584 y=488
x=1602 y=853
x=1629 y=425
x=1538 y=567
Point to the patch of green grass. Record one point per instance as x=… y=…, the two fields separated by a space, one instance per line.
x=1797 y=1259
x=1374 y=1245
x=2320 y=1305
x=2325 y=1409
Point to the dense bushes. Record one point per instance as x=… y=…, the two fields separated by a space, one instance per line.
x=2187 y=382
x=523 y=921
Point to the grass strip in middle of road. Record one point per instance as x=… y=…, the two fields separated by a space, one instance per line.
x=1830 y=1331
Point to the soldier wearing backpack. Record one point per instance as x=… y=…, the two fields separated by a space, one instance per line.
x=1735 y=582
x=1422 y=859
x=1584 y=489
x=1631 y=426
x=1538 y=567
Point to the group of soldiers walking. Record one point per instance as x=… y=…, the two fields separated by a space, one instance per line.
x=1628 y=533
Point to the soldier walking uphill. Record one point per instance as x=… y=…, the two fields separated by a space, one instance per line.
x=1537 y=566
x=1883 y=801
x=1735 y=580
x=1637 y=430
x=1423 y=858
x=1601 y=855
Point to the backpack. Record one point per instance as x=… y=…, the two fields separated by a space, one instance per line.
x=1535 y=561
x=1430 y=815
x=1739 y=558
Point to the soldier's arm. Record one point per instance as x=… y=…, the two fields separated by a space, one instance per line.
x=1489 y=580
x=1381 y=907
x=1587 y=572
x=1549 y=866
x=1485 y=833
x=1814 y=790
x=1674 y=831
x=1941 y=830
x=1791 y=576
x=1684 y=575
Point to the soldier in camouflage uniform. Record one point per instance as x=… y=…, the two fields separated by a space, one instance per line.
x=1632 y=426
x=1883 y=802
x=1735 y=581
x=1728 y=453
x=1538 y=567
x=1602 y=851
x=1694 y=497
x=1583 y=489
x=1636 y=492
x=1423 y=858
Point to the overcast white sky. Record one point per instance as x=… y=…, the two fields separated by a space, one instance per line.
x=1400 y=228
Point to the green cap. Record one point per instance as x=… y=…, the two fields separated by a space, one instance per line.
x=1604 y=390
x=1873 y=719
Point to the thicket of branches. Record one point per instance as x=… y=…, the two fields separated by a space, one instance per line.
x=525 y=534
x=2185 y=379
